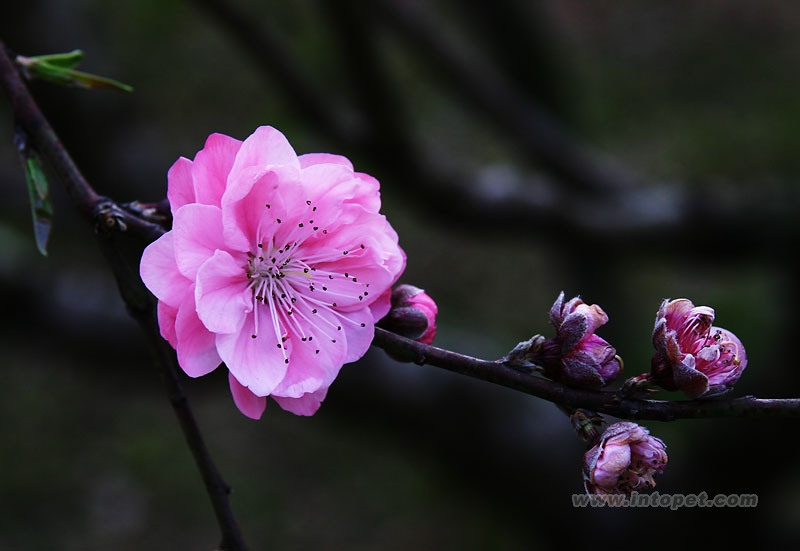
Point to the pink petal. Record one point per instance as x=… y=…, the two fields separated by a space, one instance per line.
x=366 y=266
x=336 y=184
x=159 y=271
x=257 y=363
x=198 y=233
x=381 y=306
x=180 y=188
x=222 y=294
x=248 y=403
x=212 y=164
x=315 y=361
x=307 y=405
x=261 y=152
x=351 y=226
x=265 y=206
x=310 y=159
x=359 y=339
x=613 y=462
x=302 y=377
x=166 y=322
x=197 y=352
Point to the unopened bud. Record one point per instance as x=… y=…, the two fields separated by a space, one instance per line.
x=413 y=314
x=576 y=356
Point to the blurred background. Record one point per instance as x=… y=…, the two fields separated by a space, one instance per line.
x=623 y=151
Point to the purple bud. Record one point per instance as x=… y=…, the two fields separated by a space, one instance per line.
x=576 y=356
x=625 y=460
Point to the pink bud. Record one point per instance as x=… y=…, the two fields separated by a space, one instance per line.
x=625 y=460
x=413 y=314
x=691 y=354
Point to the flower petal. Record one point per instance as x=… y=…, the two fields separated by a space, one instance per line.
x=381 y=306
x=318 y=347
x=197 y=351
x=159 y=271
x=166 y=322
x=212 y=164
x=222 y=294
x=198 y=233
x=180 y=188
x=309 y=159
x=263 y=150
x=307 y=404
x=257 y=363
x=337 y=183
x=248 y=403
x=360 y=330
x=262 y=208
x=692 y=382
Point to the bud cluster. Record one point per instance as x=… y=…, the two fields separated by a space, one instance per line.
x=692 y=356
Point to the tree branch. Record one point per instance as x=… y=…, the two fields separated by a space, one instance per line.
x=112 y=224
x=612 y=403
x=583 y=197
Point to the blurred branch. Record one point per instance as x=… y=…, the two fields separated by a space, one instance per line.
x=273 y=57
x=581 y=198
x=491 y=92
x=112 y=223
x=616 y=404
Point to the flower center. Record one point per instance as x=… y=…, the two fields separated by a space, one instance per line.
x=299 y=295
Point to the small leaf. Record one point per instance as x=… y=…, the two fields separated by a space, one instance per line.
x=60 y=68
x=67 y=60
x=41 y=207
x=87 y=80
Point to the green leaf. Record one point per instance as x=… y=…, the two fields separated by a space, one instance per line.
x=67 y=60
x=87 y=80
x=60 y=68
x=41 y=206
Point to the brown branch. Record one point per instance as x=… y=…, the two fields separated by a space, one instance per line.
x=113 y=225
x=616 y=404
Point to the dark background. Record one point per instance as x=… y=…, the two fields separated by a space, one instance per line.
x=695 y=105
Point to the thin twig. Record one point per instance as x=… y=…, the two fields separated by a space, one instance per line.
x=110 y=222
x=611 y=403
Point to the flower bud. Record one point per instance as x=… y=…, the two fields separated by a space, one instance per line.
x=691 y=354
x=413 y=314
x=576 y=356
x=625 y=460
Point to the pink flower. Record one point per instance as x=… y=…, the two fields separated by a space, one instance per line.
x=692 y=355
x=276 y=265
x=413 y=314
x=625 y=460
x=576 y=356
